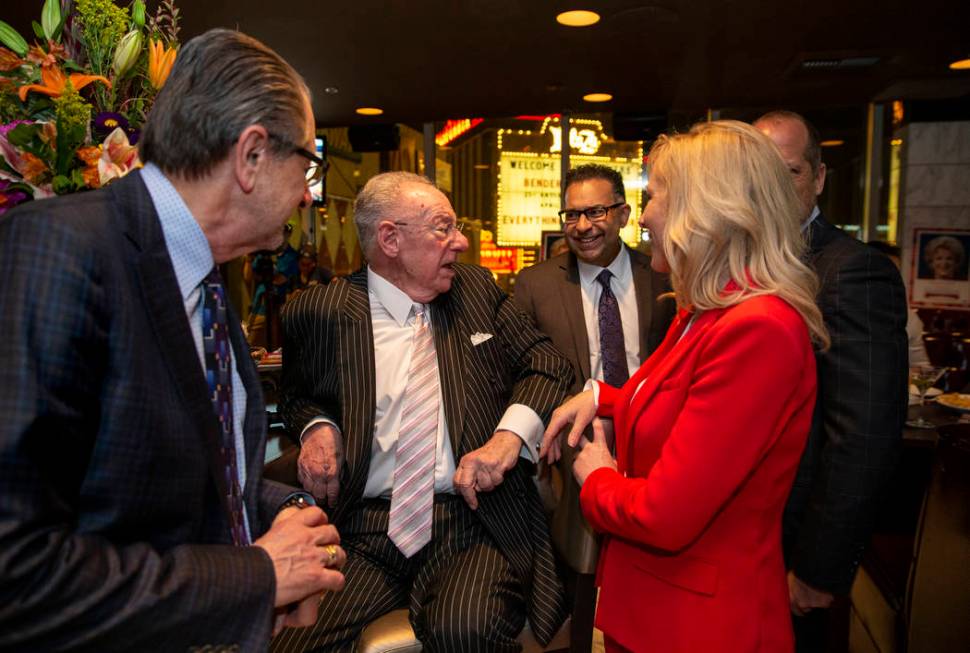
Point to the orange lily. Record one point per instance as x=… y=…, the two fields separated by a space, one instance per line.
x=55 y=81
x=33 y=168
x=160 y=61
x=90 y=155
x=9 y=60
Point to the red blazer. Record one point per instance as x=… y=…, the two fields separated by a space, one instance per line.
x=707 y=452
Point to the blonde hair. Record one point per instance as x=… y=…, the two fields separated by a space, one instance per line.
x=733 y=215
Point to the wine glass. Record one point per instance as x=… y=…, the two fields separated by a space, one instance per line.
x=923 y=377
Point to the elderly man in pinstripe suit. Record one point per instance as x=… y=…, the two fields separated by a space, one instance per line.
x=419 y=393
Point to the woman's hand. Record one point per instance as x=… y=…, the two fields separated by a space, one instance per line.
x=580 y=411
x=594 y=455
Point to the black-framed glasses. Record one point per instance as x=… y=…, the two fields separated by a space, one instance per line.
x=593 y=213
x=318 y=167
x=442 y=231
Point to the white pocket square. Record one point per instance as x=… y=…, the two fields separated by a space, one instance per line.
x=479 y=338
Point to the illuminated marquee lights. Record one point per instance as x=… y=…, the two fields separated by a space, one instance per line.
x=521 y=227
x=455 y=128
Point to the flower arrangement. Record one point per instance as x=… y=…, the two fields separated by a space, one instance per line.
x=72 y=104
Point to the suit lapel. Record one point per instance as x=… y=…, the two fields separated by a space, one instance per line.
x=355 y=338
x=453 y=348
x=571 y=293
x=163 y=301
x=654 y=372
x=644 y=292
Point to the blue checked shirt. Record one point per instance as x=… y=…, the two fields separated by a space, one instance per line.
x=192 y=260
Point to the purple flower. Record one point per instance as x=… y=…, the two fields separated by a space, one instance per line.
x=11 y=195
x=133 y=136
x=106 y=122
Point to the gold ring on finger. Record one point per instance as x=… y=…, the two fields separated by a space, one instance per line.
x=331 y=550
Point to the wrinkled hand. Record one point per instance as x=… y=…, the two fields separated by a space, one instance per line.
x=578 y=410
x=593 y=455
x=803 y=598
x=305 y=554
x=483 y=469
x=321 y=458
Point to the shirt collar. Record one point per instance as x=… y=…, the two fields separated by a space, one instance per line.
x=187 y=246
x=620 y=267
x=394 y=300
x=811 y=218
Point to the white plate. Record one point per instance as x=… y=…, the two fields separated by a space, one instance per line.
x=932 y=392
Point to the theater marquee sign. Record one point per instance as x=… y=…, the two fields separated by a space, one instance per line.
x=529 y=178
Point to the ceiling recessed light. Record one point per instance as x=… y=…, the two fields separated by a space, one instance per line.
x=370 y=111
x=331 y=90
x=597 y=97
x=960 y=64
x=578 y=18
x=832 y=142
x=481 y=166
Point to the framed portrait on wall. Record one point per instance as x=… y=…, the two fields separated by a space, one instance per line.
x=939 y=269
x=553 y=244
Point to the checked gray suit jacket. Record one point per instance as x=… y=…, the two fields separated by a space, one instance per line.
x=328 y=370
x=857 y=426
x=113 y=535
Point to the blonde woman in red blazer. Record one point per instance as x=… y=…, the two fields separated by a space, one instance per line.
x=710 y=430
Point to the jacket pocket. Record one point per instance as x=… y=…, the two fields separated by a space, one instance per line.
x=686 y=572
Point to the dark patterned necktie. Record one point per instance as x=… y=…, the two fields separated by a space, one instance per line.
x=218 y=374
x=612 y=349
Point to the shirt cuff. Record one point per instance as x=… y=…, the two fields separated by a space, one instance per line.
x=592 y=384
x=525 y=423
x=318 y=420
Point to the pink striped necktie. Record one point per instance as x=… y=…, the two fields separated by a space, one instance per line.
x=413 y=493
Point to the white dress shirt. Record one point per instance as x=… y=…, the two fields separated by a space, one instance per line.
x=392 y=322
x=622 y=286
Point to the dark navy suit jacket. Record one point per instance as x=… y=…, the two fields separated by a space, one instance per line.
x=113 y=535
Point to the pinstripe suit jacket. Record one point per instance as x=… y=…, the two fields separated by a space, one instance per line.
x=857 y=425
x=328 y=370
x=112 y=532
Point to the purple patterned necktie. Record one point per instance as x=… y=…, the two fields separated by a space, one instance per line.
x=612 y=349
x=218 y=374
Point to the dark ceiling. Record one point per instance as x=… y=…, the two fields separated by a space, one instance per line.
x=435 y=59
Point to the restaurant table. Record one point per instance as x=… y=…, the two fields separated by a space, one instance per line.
x=896 y=598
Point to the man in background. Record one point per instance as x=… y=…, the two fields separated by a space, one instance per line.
x=861 y=407
x=132 y=428
x=598 y=303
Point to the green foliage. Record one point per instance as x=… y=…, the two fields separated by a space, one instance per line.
x=73 y=116
x=102 y=25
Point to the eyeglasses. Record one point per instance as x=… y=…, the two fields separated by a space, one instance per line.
x=592 y=213
x=318 y=167
x=442 y=232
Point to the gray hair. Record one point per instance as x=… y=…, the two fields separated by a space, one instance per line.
x=380 y=199
x=222 y=82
